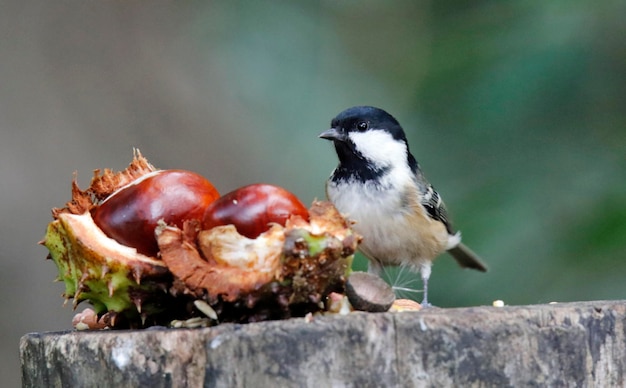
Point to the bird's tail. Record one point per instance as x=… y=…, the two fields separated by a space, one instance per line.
x=466 y=258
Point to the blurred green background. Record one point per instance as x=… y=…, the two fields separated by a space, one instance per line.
x=515 y=110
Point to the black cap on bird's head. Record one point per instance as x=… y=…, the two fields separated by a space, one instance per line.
x=361 y=119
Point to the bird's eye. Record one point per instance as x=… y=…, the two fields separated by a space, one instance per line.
x=362 y=125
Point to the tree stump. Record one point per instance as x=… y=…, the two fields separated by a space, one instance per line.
x=559 y=345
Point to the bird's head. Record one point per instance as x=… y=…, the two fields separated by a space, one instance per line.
x=368 y=141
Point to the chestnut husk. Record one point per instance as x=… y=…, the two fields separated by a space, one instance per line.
x=302 y=263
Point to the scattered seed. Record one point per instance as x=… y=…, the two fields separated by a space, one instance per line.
x=338 y=304
x=191 y=323
x=498 y=303
x=205 y=309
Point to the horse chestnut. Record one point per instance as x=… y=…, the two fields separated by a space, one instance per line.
x=131 y=214
x=253 y=208
x=284 y=271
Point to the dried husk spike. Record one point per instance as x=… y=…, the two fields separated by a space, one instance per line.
x=103 y=185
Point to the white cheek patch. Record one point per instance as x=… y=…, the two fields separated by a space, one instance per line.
x=382 y=150
x=379 y=147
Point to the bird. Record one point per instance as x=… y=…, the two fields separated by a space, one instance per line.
x=379 y=185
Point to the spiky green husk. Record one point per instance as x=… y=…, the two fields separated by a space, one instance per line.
x=112 y=277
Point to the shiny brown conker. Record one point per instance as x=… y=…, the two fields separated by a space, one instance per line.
x=131 y=214
x=253 y=208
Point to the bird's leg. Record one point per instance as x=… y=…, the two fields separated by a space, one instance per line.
x=425 y=272
x=374 y=267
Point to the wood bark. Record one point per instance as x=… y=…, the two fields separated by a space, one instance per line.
x=559 y=345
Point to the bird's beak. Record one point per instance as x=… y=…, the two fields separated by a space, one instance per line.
x=332 y=134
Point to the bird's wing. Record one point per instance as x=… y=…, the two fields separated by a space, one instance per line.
x=432 y=202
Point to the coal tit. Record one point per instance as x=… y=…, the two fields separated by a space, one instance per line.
x=379 y=185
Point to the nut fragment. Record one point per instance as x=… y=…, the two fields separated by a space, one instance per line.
x=338 y=304
x=400 y=305
x=88 y=320
x=368 y=292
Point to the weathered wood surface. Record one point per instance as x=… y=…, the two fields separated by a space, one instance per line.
x=558 y=345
